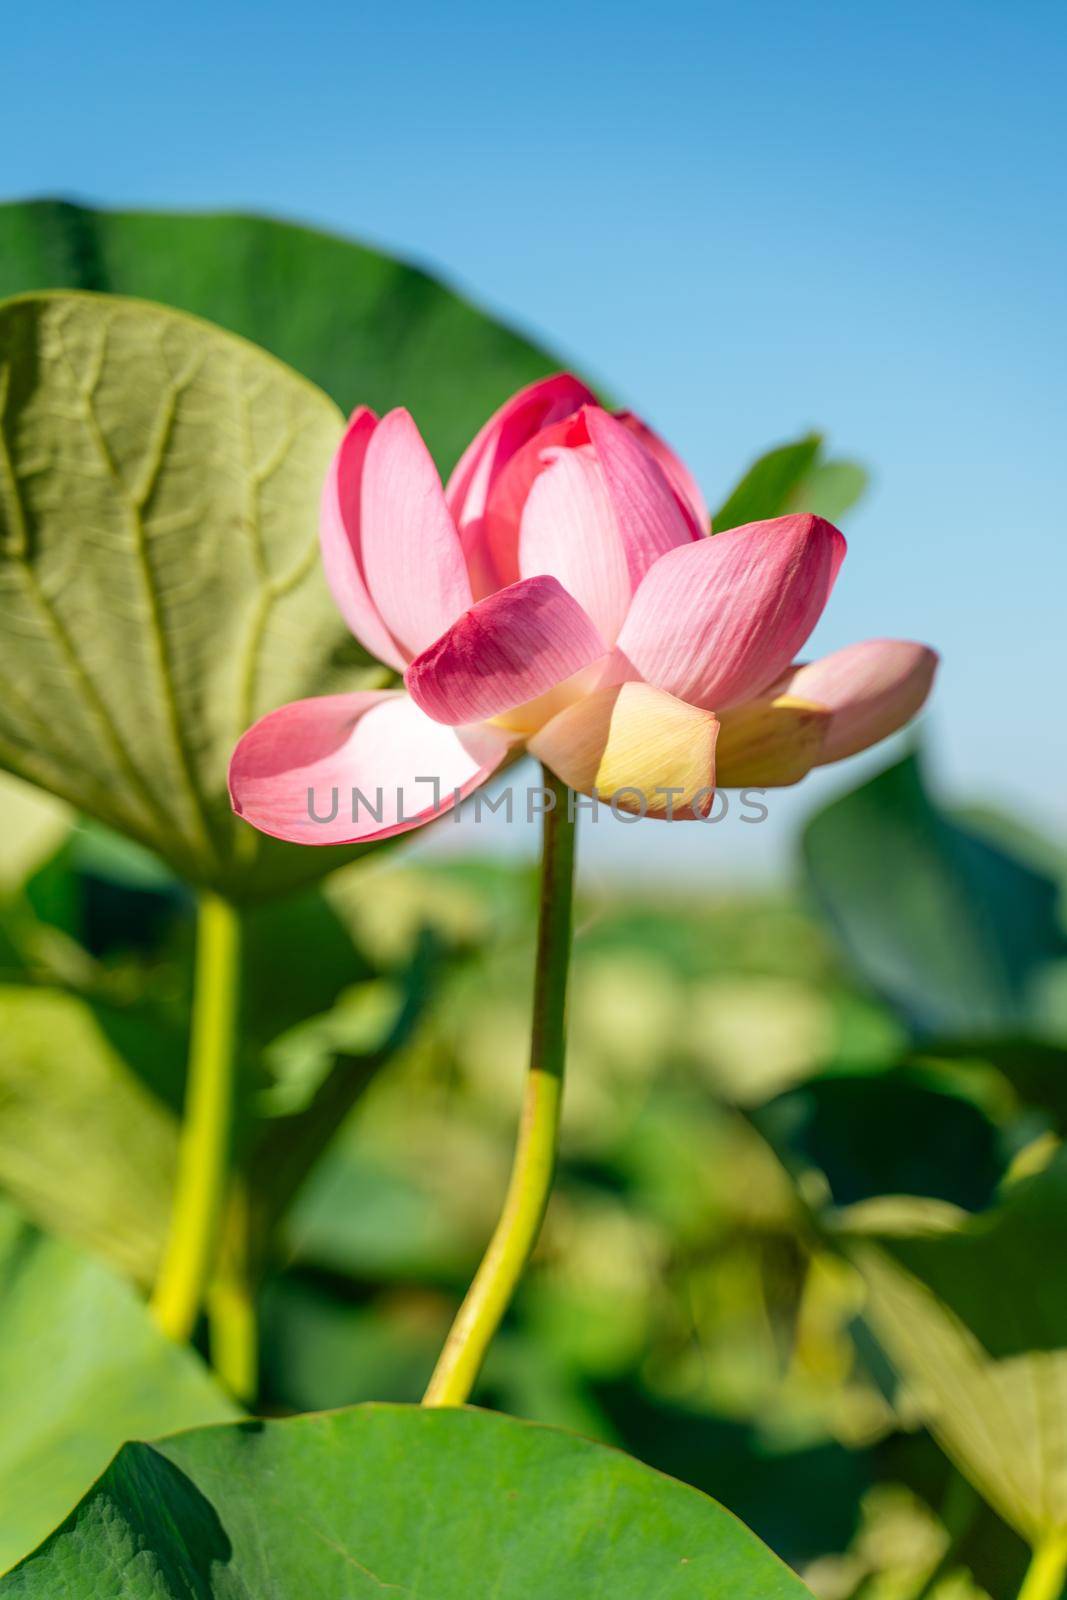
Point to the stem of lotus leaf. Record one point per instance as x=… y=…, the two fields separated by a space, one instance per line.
x=534 y=1165
x=233 y=1329
x=204 y=1144
x=1045 y=1576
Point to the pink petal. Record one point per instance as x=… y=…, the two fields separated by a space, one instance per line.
x=569 y=531
x=871 y=689
x=717 y=620
x=678 y=474
x=518 y=419
x=412 y=560
x=508 y=649
x=597 y=514
x=340 y=539
x=375 y=742
x=650 y=519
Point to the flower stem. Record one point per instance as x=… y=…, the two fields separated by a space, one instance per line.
x=534 y=1166
x=1045 y=1574
x=204 y=1143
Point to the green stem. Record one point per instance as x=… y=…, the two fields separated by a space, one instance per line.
x=204 y=1144
x=233 y=1332
x=1045 y=1575
x=534 y=1166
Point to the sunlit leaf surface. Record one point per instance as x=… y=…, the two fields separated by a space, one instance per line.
x=435 y=1505
x=160 y=579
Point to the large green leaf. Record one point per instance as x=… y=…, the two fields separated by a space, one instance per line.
x=973 y=1314
x=951 y=927
x=366 y=328
x=159 y=571
x=434 y=1505
x=81 y=1370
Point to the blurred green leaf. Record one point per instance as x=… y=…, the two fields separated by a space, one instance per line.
x=105 y=854
x=342 y=1052
x=768 y=486
x=298 y=957
x=86 y=1147
x=97 y=1087
x=441 y=1504
x=180 y=499
x=328 y=1343
x=951 y=928
x=358 y=1217
x=1036 y=1071
x=973 y=1314
x=830 y=489
x=32 y=827
x=898 y=1132
x=82 y=1369
x=980 y=1542
x=368 y=329
x=793 y=477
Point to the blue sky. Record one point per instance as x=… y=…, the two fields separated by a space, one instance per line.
x=747 y=219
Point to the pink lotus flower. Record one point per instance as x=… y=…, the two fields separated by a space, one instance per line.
x=562 y=592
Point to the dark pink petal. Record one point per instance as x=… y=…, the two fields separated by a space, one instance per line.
x=719 y=619
x=871 y=690
x=308 y=757
x=412 y=560
x=678 y=474
x=499 y=528
x=547 y=401
x=340 y=538
x=508 y=649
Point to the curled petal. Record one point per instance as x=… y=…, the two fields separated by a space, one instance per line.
x=718 y=620
x=871 y=689
x=412 y=559
x=510 y=648
x=678 y=474
x=532 y=409
x=644 y=750
x=768 y=744
x=569 y=531
x=340 y=536
x=294 y=773
x=649 y=517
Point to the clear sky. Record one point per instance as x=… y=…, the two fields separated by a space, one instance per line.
x=747 y=219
